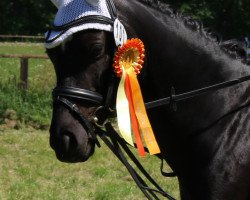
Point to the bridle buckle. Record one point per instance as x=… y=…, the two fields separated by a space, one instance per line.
x=102 y=115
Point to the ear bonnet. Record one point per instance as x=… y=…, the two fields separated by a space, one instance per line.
x=77 y=15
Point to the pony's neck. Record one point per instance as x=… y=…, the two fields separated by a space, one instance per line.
x=180 y=57
x=178 y=50
x=185 y=58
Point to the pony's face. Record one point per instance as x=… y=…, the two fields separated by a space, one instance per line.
x=84 y=61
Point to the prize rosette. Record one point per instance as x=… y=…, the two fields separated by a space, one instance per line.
x=131 y=112
x=131 y=54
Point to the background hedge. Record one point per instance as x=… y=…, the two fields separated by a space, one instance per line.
x=231 y=18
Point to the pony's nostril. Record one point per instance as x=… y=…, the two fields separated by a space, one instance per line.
x=70 y=146
x=66 y=142
x=69 y=141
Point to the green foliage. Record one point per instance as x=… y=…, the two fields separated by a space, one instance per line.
x=27 y=17
x=32 y=107
x=230 y=18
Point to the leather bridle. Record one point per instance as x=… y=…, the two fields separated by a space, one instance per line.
x=105 y=110
x=67 y=95
x=94 y=124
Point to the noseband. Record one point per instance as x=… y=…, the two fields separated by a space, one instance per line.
x=67 y=95
x=79 y=94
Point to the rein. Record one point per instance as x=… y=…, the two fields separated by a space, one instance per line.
x=173 y=99
x=118 y=146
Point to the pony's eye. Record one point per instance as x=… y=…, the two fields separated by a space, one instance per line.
x=96 y=50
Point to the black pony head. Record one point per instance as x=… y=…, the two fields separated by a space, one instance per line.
x=80 y=45
x=82 y=62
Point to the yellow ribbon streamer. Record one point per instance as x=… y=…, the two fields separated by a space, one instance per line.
x=123 y=115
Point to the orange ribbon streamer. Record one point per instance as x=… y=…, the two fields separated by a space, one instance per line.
x=135 y=124
x=141 y=115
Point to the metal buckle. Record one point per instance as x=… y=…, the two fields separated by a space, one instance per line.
x=101 y=116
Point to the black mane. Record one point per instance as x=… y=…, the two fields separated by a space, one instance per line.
x=234 y=48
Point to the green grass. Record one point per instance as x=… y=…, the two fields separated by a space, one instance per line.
x=34 y=105
x=29 y=170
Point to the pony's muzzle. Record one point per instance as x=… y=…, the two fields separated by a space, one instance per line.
x=69 y=139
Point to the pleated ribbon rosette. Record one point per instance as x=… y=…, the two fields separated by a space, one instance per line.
x=131 y=112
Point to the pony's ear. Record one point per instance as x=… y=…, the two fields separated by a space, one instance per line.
x=57 y=3
x=93 y=2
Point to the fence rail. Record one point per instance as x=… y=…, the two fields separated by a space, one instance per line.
x=23 y=56
x=21 y=38
x=24 y=66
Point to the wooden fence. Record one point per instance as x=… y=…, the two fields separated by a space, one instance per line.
x=24 y=62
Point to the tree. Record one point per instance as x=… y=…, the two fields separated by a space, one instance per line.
x=25 y=16
x=230 y=18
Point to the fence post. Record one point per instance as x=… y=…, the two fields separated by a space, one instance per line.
x=23 y=73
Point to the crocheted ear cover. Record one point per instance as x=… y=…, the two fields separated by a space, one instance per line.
x=72 y=10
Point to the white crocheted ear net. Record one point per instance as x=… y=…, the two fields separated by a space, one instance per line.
x=71 y=10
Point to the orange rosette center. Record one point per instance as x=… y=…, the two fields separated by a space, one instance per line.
x=131 y=54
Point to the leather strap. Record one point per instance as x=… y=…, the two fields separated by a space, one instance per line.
x=117 y=145
x=84 y=20
x=79 y=94
x=112 y=9
x=188 y=95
